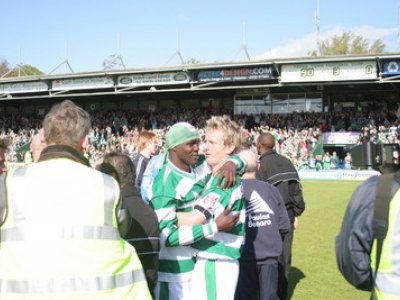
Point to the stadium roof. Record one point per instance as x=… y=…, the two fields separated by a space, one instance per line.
x=200 y=77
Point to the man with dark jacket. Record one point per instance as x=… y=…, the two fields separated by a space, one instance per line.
x=144 y=233
x=279 y=171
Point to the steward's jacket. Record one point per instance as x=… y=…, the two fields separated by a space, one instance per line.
x=279 y=171
x=60 y=238
x=387 y=281
x=354 y=242
x=355 y=247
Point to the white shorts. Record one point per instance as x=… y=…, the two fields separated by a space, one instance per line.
x=214 y=279
x=172 y=290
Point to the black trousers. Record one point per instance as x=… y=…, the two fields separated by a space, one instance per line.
x=257 y=281
x=285 y=261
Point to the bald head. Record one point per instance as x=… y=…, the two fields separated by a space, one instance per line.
x=265 y=142
x=251 y=158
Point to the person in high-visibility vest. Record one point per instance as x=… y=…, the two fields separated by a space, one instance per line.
x=356 y=245
x=387 y=279
x=60 y=235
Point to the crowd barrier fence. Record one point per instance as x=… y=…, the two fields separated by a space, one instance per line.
x=359 y=175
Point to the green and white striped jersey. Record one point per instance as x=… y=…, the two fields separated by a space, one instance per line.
x=172 y=191
x=224 y=245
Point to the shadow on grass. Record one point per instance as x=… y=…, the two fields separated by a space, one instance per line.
x=295 y=276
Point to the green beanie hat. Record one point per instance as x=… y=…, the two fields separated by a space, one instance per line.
x=180 y=133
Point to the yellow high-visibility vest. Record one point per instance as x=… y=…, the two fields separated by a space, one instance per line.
x=387 y=284
x=60 y=239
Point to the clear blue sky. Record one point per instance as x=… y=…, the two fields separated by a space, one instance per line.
x=209 y=30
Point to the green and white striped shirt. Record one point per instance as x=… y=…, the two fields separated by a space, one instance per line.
x=224 y=245
x=172 y=191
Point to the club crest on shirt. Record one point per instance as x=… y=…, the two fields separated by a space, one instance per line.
x=210 y=200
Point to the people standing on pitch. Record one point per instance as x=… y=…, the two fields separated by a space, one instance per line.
x=60 y=238
x=144 y=233
x=174 y=189
x=267 y=222
x=279 y=171
x=147 y=144
x=217 y=268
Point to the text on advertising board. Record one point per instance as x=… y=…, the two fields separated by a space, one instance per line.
x=82 y=83
x=23 y=87
x=153 y=79
x=236 y=74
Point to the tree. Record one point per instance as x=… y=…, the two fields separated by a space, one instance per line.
x=349 y=43
x=192 y=61
x=4 y=67
x=25 y=70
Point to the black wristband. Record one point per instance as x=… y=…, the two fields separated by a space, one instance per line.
x=203 y=210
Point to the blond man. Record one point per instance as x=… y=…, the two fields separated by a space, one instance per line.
x=216 y=270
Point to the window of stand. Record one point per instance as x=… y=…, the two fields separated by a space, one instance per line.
x=252 y=104
x=282 y=103
x=299 y=102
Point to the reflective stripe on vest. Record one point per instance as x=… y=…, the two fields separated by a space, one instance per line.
x=115 y=267
x=109 y=193
x=388 y=276
x=37 y=232
x=71 y=284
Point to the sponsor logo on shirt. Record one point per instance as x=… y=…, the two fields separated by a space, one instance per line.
x=258 y=212
x=210 y=200
x=258 y=220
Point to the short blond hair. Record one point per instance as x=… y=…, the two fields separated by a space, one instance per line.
x=230 y=129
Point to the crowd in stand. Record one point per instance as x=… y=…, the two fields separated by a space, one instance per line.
x=296 y=133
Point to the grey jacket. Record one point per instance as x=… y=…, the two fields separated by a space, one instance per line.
x=354 y=243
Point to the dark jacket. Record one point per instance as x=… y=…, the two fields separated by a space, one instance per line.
x=266 y=221
x=354 y=243
x=140 y=162
x=63 y=151
x=144 y=234
x=279 y=171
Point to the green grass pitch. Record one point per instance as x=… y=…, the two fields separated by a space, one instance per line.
x=314 y=273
